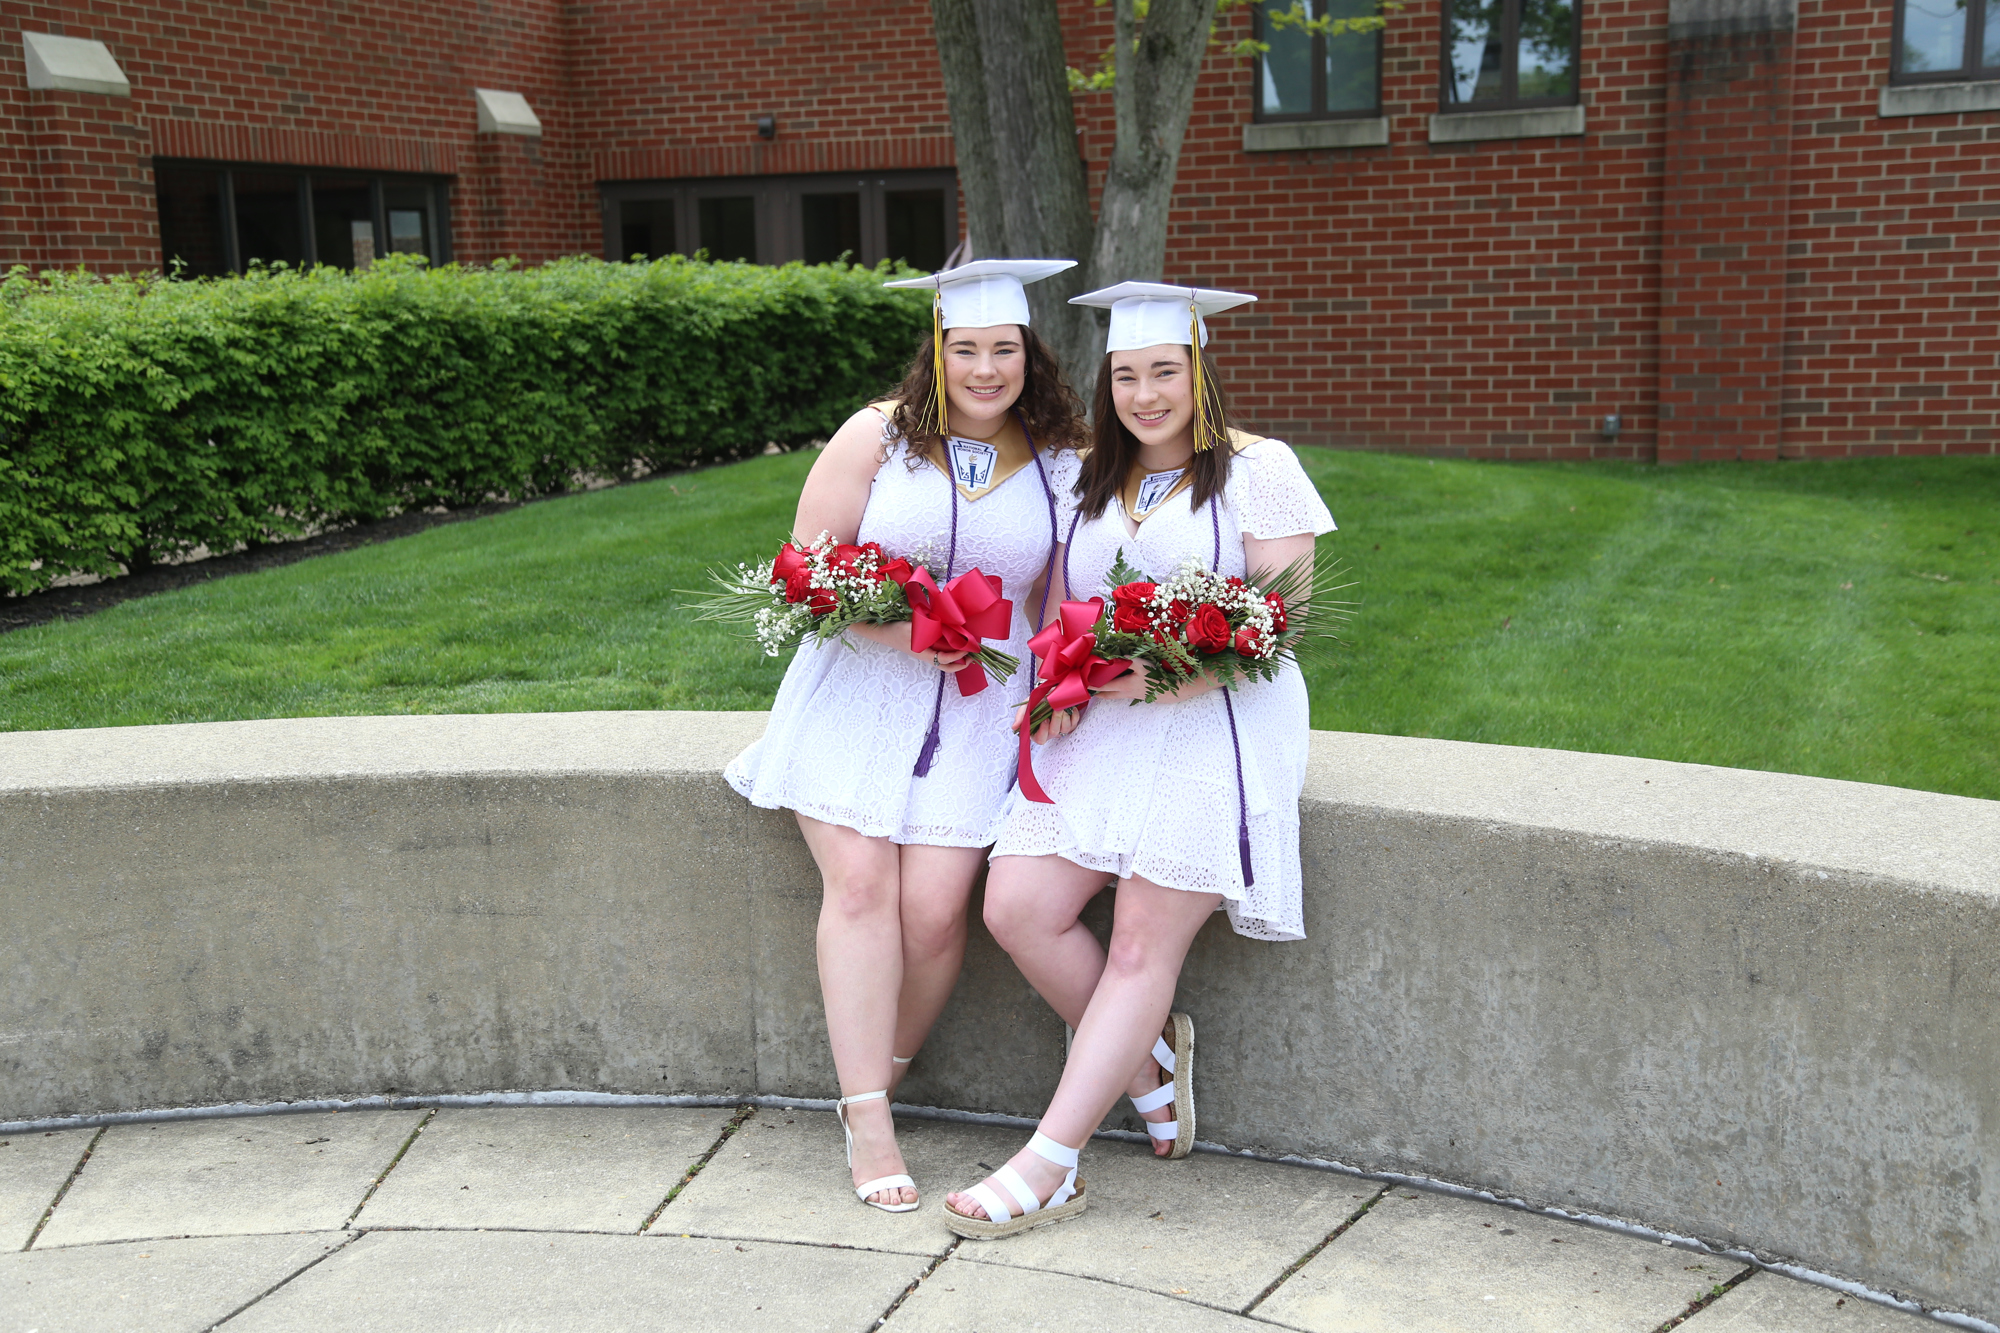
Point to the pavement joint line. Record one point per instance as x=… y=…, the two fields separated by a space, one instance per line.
x=1313 y=1253
x=579 y=1097
x=195 y=1235
x=1101 y=1280
x=289 y=1277
x=467 y=1231
x=63 y=1190
x=910 y=1290
x=1715 y=1293
x=377 y=1183
x=1638 y=1231
x=743 y=1113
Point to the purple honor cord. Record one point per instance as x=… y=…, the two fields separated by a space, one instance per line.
x=1235 y=744
x=929 y=752
x=1228 y=705
x=932 y=738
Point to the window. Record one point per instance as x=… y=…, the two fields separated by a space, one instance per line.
x=910 y=215
x=1500 y=54
x=1307 y=76
x=1947 y=41
x=217 y=219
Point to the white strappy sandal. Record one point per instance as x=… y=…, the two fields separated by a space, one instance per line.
x=868 y=1187
x=1002 y=1220
x=1177 y=1060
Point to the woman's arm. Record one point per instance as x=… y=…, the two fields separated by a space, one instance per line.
x=834 y=498
x=1261 y=555
x=836 y=490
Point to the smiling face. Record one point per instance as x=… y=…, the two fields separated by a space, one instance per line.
x=984 y=372
x=1153 y=392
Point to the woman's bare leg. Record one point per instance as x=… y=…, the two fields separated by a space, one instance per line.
x=1032 y=906
x=1151 y=930
x=936 y=882
x=860 y=976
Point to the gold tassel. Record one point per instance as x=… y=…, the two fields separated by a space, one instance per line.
x=1207 y=413
x=937 y=403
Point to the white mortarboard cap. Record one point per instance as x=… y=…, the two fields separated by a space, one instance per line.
x=985 y=292
x=1147 y=314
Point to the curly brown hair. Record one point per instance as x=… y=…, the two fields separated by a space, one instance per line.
x=1048 y=406
x=1113 y=448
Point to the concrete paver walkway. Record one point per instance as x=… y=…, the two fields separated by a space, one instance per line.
x=583 y=1219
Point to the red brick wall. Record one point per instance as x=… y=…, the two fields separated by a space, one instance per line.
x=1740 y=257
x=671 y=90
x=370 y=84
x=1495 y=299
x=1892 y=323
x=1724 y=212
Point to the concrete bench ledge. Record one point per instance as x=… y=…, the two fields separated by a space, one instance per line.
x=1752 y=1008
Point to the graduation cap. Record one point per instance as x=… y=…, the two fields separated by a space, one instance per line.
x=1148 y=314
x=977 y=295
x=984 y=292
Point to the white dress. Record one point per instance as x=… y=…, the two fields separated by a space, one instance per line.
x=1149 y=789
x=849 y=722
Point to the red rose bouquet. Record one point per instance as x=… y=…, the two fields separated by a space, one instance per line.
x=817 y=589
x=1195 y=623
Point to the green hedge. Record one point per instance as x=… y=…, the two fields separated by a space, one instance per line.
x=141 y=417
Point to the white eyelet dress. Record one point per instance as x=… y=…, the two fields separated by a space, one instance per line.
x=1150 y=789
x=849 y=722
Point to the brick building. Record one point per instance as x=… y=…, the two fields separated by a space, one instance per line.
x=1744 y=228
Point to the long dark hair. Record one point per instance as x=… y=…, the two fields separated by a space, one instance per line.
x=1051 y=409
x=1113 y=448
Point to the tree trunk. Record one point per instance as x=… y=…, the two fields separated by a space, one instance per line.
x=1014 y=126
x=1152 y=96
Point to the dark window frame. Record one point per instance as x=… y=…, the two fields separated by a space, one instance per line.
x=1258 y=116
x=1970 y=68
x=1510 y=64
x=780 y=221
x=438 y=188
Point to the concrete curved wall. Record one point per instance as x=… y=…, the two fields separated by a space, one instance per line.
x=1754 y=1008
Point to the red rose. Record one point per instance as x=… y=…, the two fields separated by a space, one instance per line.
x=898 y=570
x=1179 y=612
x=1277 y=605
x=798 y=585
x=790 y=569
x=1233 y=581
x=843 y=558
x=1131 y=619
x=1249 y=643
x=821 y=601
x=1129 y=610
x=1208 y=630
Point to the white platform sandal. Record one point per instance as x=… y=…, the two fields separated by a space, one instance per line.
x=1003 y=1220
x=880 y=1183
x=1177 y=1060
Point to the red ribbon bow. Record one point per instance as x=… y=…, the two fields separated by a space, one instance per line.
x=956 y=617
x=1070 y=670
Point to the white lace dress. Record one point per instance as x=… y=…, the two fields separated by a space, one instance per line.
x=1149 y=789
x=848 y=723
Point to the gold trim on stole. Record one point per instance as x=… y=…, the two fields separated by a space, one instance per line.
x=1011 y=443
x=1128 y=495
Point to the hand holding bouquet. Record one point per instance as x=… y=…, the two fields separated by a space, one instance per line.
x=819 y=588
x=1200 y=623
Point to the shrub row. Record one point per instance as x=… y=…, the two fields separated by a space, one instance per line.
x=141 y=417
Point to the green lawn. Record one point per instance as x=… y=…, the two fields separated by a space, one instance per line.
x=1832 y=618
